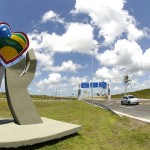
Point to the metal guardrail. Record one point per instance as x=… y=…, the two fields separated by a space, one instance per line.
x=100 y=105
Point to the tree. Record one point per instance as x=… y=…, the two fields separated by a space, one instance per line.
x=126 y=82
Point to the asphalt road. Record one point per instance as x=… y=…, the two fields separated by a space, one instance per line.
x=141 y=111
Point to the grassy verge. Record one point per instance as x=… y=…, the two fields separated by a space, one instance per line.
x=145 y=93
x=102 y=130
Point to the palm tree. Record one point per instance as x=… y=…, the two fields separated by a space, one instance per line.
x=126 y=82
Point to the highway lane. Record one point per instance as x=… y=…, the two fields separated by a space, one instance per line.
x=141 y=111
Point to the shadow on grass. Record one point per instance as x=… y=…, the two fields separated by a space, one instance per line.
x=40 y=145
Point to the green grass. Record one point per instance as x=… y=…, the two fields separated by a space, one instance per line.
x=101 y=130
x=145 y=93
x=44 y=97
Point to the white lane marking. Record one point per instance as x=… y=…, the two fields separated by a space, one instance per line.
x=141 y=119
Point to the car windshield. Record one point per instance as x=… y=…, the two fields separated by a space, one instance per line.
x=131 y=97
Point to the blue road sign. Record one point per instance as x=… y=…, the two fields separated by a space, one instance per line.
x=102 y=85
x=85 y=85
x=94 y=84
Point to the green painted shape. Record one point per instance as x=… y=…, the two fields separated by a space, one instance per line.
x=11 y=43
x=21 y=36
x=17 y=80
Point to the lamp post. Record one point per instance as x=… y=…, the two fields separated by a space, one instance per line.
x=92 y=79
x=56 y=93
x=91 y=74
x=79 y=92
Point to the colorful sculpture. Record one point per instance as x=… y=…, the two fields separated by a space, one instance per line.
x=19 y=65
x=19 y=72
x=12 y=45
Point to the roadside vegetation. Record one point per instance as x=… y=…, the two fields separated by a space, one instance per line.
x=102 y=130
x=145 y=93
x=43 y=97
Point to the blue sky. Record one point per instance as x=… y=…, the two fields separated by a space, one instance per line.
x=67 y=35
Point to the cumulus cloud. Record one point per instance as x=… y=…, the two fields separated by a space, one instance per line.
x=53 y=79
x=77 y=38
x=110 y=17
x=51 y=16
x=127 y=54
x=44 y=59
x=77 y=80
x=105 y=73
x=66 y=66
x=134 y=33
x=116 y=88
x=120 y=54
x=139 y=73
x=46 y=63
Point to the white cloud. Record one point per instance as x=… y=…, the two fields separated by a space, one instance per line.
x=127 y=54
x=46 y=45
x=105 y=73
x=44 y=59
x=139 y=73
x=110 y=17
x=66 y=66
x=109 y=20
x=38 y=72
x=133 y=33
x=108 y=58
x=51 y=16
x=116 y=88
x=77 y=38
x=144 y=61
x=77 y=80
x=45 y=63
x=53 y=79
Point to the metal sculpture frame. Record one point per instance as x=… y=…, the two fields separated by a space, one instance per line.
x=17 y=79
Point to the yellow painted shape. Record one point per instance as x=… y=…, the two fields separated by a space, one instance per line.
x=8 y=52
x=18 y=39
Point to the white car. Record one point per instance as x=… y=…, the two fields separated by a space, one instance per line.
x=129 y=99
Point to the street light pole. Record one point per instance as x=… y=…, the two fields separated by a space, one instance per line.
x=92 y=79
x=92 y=75
x=56 y=94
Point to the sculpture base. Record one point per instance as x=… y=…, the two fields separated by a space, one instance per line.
x=13 y=135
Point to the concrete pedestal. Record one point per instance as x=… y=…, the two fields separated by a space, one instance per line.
x=14 y=135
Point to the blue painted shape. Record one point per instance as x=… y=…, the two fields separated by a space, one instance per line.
x=5 y=31
x=102 y=85
x=85 y=85
x=94 y=84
